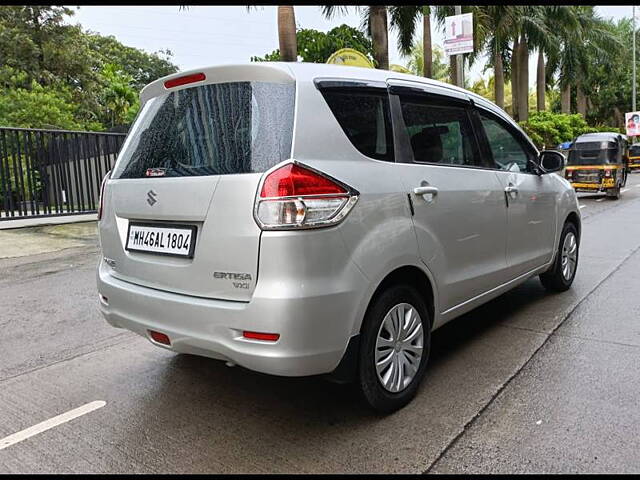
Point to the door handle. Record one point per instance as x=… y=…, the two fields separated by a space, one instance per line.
x=425 y=190
x=511 y=189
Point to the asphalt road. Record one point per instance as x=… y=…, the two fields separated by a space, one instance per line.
x=530 y=382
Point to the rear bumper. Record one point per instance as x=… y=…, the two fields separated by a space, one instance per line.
x=314 y=330
x=593 y=187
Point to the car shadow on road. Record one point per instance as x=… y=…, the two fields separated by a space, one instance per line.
x=209 y=401
x=322 y=396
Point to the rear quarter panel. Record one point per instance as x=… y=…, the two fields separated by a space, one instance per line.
x=378 y=233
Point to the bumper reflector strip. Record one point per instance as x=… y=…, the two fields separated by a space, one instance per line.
x=160 y=337
x=270 y=337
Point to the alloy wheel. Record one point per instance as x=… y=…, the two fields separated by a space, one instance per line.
x=569 y=256
x=399 y=347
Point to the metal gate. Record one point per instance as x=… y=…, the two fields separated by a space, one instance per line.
x=53 y=172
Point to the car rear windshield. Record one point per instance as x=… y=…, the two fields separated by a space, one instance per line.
x=634 y=150
x=217 y=129
x=592 y=157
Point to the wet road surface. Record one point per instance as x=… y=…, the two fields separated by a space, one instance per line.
x=530 y=382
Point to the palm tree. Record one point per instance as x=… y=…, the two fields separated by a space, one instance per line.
x=529 y=28
x=374 y=21
x=440 y=69
x=404 y=19
x=571 y=59
x=480 y=32
x=427 y=49
x=286 y=33
x=498 y=22
x=377 y=18
x=556 y=18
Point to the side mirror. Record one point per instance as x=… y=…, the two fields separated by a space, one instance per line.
x=551 y=161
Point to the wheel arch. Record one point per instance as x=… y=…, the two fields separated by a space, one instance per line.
x=410 y=275
x=575 y=219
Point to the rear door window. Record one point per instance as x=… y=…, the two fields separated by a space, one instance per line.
x=364 y=115
x=438 y=132
x=217 y=129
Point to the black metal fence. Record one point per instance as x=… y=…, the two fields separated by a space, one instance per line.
x=53 y=172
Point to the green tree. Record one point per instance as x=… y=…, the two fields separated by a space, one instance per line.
x=119 y=95
x=550 y=129
x=38 y=107
x=45 y=60
x=141 y=66
x=317 y=47
x=376 y=20
x=439 y=69
x=608 y=79
x=576 y=49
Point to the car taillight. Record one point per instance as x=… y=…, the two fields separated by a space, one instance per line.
x=295 y=196
x=101 y=201
x=569 y=174
x=607 y=173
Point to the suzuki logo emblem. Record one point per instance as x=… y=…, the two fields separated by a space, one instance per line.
x=151 y=197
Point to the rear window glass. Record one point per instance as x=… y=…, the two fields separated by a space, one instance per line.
x=592 y=157
x=437 y=134
x=634 y=150
x=218 y=129
x=365 y=118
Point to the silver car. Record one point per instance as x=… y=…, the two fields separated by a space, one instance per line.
x=302 y=219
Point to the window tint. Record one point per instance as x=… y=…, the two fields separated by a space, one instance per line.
x=365 y=118
x=438 y=134
x=225 y=128
x=508 y=153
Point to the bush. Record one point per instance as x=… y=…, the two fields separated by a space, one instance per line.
x=548 y=129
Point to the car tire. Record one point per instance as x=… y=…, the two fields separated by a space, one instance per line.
x=375 y=341
x=555 y=279
x=613 y=193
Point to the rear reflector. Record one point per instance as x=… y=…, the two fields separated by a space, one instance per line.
x=269 y=337
x=160 y=337
x=176 y=82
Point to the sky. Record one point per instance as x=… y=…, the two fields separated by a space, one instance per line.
x=211 y=35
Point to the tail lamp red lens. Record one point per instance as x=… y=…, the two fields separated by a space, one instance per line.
x=294 y=196
x=160 y=337
x=294 y=180
x=269 y=337
x=185 y=80
x=101 y=201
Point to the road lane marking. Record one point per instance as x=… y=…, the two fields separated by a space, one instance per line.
x=600 y=199
x=52 y=422
x=582 y=206
x=624 y=189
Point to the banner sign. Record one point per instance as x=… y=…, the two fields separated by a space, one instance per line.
x=458 y=34
x=349 y=56
x=632 y=122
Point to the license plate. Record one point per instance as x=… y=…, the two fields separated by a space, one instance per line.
x=178 y=240
x=589 y=177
